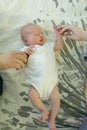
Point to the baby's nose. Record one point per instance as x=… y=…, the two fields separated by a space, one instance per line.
x=41 y=36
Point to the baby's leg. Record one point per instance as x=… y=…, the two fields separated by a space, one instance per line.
x=55 y=103
x=36 y=101
x=85 y=91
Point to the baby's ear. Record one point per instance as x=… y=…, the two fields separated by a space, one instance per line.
x=26 y=41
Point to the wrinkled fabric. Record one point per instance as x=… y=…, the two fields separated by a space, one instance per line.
x=84 y=124
x=16 y=110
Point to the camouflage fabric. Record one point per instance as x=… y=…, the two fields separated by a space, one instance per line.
x=16 y=110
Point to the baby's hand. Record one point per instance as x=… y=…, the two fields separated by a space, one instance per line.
x=57 y=31
x=30 y=49
x=57 y=28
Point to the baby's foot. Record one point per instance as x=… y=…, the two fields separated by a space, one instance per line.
x=44 y=116
x=51 y=124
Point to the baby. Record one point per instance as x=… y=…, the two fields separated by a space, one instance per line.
x=41 y=71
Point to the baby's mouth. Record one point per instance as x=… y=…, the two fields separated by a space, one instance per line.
x=41 y=40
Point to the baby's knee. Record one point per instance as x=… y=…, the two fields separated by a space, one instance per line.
x=33 y=93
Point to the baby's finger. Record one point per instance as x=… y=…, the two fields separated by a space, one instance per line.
x=31 y=46
x=67 y=36
x=28 y=52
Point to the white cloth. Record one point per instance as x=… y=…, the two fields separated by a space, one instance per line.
x=41 y=70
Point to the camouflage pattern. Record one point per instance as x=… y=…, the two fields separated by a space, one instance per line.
x=16 y=110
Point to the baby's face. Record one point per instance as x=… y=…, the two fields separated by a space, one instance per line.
x=35 y=36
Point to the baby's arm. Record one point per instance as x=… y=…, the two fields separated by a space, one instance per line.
x=59 y=44
x=85 y=91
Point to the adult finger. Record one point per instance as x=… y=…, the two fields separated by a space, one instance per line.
x=65 y=29
x=22 y=57
x=19 y=65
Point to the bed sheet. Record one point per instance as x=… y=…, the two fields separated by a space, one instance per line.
x=16 y=111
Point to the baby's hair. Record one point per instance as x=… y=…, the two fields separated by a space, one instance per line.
x=25 y=30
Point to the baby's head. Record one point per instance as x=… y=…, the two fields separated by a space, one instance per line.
x=32 y=34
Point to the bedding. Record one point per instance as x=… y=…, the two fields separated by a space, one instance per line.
x=16 y=110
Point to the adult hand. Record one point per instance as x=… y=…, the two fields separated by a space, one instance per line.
x=13 y=59
x=73 y=32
